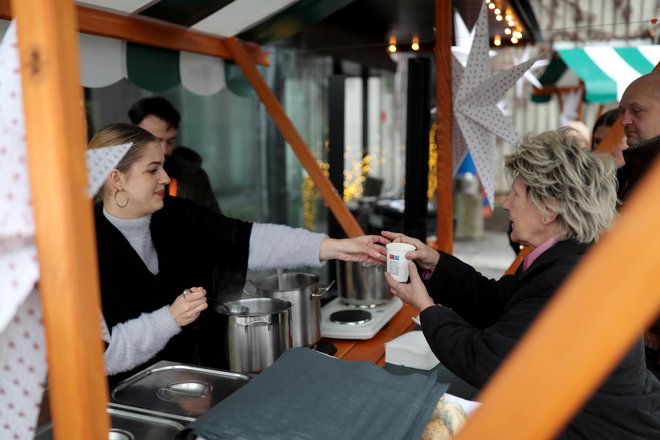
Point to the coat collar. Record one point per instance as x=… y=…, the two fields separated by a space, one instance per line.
x=556 y=252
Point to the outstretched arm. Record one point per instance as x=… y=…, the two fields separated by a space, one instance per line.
x=366 y=248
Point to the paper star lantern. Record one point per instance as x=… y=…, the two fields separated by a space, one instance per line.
x=477 y=120
x=528 y=76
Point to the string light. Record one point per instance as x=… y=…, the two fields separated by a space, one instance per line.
x=391 y=48
x=433 y=164
x=415 y=43
x=511 y=27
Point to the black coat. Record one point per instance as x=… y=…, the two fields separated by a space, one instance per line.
x=483 y=320
x=195 y=247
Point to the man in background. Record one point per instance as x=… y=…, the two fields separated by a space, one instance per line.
x=184 y=166
x=640 y=110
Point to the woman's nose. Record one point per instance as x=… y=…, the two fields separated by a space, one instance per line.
x=506 y=204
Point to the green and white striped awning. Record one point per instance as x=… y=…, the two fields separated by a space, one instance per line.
x=606 y=71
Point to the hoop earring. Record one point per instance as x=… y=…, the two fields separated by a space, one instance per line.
x=127 y=198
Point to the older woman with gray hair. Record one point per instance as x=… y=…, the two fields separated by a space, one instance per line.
x=563 y=197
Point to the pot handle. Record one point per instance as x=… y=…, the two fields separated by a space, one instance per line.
x=321 y=290
x=251 y=323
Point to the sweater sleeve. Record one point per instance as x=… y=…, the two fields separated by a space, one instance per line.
x=136 y=341
x=278 y=246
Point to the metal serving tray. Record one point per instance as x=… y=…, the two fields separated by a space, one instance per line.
x=180 y=391
x=127 y=425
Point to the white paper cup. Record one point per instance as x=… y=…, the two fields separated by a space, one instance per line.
x=397 y=263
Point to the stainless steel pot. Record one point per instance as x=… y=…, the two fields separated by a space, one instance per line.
x=304 y=293
x=362 y=284
x=259 y=331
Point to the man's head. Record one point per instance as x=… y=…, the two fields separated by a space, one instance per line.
x=640 y=109
x=159 y=117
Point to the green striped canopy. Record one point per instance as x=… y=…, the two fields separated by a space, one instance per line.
x=606 y=71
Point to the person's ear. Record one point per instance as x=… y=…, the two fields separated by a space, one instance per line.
x=549 y=218
x=117 y=179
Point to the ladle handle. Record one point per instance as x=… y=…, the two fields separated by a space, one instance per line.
x=322 y=290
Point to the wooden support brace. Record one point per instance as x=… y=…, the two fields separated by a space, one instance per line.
x=443 y=115
x=68 y=283
x=291 y=135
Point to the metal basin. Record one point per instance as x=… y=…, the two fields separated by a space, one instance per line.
x=128 y=425
x=180 y=391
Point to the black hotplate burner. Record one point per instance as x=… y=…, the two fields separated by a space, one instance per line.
x=351 y=317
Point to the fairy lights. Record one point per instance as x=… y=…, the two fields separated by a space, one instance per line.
x=512 y=29
x=391 y=48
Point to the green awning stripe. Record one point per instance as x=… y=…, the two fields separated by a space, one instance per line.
x=152 y=68
x=600 y=88
x=636 y=60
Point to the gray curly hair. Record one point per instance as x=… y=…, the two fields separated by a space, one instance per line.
x=563 y=177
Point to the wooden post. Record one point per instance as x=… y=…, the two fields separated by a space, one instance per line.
x=63 y=217
x=443 y=116
x=564 y=357
x=289 y=132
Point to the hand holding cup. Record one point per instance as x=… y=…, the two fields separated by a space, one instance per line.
x=397 y=262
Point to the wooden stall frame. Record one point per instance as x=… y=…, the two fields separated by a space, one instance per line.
x=444 y=110
x=64 y=226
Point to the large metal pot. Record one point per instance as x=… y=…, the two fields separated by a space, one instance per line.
x=259 y=331
x=362 y=284
x=304 y=293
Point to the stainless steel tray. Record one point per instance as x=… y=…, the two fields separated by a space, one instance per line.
x=127 y=425
x=179 y=391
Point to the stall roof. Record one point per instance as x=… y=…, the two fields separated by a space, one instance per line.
x=350 y=29
x=605 y=70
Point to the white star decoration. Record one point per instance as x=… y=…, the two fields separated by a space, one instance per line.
x=477 y=119
x=529 y=76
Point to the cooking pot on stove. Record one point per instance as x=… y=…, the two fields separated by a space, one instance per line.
x=259 y=331
x=303 y=292
x=362 y=284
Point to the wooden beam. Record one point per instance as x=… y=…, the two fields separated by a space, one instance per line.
x=289 y=132
x=443 y=116
x=151 y=33
x=69 y=283
x=572 y=357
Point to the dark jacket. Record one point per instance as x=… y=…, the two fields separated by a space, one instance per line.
x=185 y=165
x=638 y=161
x=483 y=320
x=195 y=247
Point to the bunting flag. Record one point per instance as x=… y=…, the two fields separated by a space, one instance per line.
x=22 y=350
